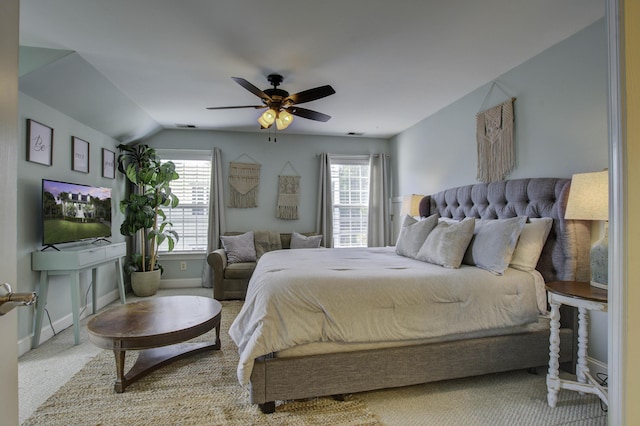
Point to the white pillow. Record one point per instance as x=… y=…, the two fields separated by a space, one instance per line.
x=413 y=234
x=532 y=239
x=446 y=244
x=299 y=241
x=239 y=248
x=492 y=246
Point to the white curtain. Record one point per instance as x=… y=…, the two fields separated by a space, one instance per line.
x=379 y=228
x=324 y=223
x=216 y=214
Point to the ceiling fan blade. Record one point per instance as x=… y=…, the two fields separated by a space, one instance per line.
x=310 y=95
x=241 y=106
x=253 y=89
x=307 y=113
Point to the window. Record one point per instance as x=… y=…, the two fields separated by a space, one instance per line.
x=190 y=218
x=350 y=187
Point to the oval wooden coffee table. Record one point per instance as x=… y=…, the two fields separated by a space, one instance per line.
x=159 y=328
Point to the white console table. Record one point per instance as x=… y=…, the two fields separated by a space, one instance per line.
x=71 y=261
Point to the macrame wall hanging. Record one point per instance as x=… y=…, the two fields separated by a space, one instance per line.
x=494 y=134
x=244 y=180
x=288 y=194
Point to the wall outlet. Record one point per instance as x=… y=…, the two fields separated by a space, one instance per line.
x=183 y=266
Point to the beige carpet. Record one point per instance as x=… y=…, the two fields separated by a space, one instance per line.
x=203 y=390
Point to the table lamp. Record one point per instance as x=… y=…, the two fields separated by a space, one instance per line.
x=411 y=205
x=589 y=200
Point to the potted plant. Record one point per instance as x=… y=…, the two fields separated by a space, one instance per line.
x=143 y=214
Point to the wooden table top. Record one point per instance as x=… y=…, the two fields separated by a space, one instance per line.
x=157 y=321
x=578 y=289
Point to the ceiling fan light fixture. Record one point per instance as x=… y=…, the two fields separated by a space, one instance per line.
x=267 y=118
x=283 y=120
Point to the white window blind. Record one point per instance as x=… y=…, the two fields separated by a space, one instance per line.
x=190 y=218
x=350 y=187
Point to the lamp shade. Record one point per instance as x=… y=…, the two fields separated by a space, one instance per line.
x=267 y=118
x=283 y=120
x=411 y=204
x=589 y=196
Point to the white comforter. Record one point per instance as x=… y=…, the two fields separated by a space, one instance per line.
x=372 y=295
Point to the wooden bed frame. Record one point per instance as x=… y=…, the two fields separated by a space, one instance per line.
x=564 y=257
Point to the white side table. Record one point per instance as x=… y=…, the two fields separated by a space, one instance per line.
x=584 y=297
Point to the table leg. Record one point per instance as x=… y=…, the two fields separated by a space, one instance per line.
x=41 y=303
x=583 y=338
x=119 y=272
x=120 y=384
x=75 y=304
x=217 y=344
x=94 y=290
x=553 y=377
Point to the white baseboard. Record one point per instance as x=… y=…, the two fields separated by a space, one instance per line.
x=181 y=283
x=24 y=344
x=598 y=369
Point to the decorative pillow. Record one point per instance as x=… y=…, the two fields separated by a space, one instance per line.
x=413 y=234
x=299 y=241
x=239 y=248
x=492 y=246
x=446 y=244
x=266 y=241
x=532 y=239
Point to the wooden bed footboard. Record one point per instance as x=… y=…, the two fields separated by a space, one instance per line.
x=276 y=379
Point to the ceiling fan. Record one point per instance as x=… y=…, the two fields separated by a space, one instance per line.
x=281 y=106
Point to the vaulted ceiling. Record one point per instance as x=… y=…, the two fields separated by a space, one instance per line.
x=131 y=67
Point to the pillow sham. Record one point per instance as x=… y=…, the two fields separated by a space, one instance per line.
x=532 y=239
x=447 y=243
x=413 y=234
x=239 y=248
x=493 y=243
x=299 y=241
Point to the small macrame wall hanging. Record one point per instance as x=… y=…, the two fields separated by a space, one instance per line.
x=244 y=181
x=494 y=134
x=288 y=194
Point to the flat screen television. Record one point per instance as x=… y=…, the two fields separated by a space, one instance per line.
x=74 y=212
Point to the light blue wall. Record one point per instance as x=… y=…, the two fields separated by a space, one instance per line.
x=29 y=230
x=560 y=121
x=298 y=150
x=560 y=129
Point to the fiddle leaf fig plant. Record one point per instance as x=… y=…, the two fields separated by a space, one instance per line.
x=142 y=209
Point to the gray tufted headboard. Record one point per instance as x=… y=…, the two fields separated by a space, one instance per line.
x=566 y=253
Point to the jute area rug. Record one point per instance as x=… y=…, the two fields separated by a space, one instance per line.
x=198 y=390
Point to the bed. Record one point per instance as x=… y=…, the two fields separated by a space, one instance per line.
x=357 y=323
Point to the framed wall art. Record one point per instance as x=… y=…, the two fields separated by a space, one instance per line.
x=39 y=143
x=80 y=155
x=108 y=164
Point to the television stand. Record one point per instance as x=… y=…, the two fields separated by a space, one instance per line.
x=71 y=261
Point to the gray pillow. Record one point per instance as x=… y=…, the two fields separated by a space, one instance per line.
x=299 y=241
x=492 y=246
x=413 y=234
x=446 y=244
x=239 y=248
